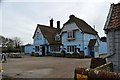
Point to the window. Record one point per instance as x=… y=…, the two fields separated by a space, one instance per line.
x=36 y=48
x=55 y=48
x=71 y=35
x=57 y=37
x=38 y=36
x=71 y=48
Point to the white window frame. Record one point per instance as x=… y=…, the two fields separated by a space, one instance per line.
x=55 y=48
x=70 y=35
x=71 y=48
x=37 y=48
x=57 y=37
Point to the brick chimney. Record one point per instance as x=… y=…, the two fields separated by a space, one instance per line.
x=58 y=24
x=51 y=22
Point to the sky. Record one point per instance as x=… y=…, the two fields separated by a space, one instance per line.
x=19 y=18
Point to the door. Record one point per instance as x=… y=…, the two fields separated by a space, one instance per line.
x=92 y=52
x=43 y=50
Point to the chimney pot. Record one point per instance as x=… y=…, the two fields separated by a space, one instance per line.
x=51 y=22
x=58 y=24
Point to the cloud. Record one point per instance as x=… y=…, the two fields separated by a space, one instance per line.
x=20 y=17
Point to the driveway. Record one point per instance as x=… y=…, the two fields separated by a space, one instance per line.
x=43 y=67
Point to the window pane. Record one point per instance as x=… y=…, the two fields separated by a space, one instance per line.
x=72 y=48
x=67 y=48
x=55 y=48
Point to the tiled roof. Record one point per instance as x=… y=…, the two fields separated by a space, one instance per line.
x=92 y=42
x=28 y=45
x=49 y=33
x=84 y=27
x=113 y=19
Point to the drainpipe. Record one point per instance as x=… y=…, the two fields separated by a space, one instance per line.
x=45 y=43
x=83 y=40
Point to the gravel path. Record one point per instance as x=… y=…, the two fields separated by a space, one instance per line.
x=43 y=67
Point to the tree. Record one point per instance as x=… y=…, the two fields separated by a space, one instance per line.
x=10 y=44
x=2 y=41
x=17 y=42
x=7 y=44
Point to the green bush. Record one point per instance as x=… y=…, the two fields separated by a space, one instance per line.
x=62 y=54
x=82 y=54
x=53 y=54
x=75 y=55
x=49 y=54
x=58 y=55
x=32 y=54
x=36 y=55
x=88 y=56
x=68 y=55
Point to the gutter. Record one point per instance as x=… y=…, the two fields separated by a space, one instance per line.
x=109 y=55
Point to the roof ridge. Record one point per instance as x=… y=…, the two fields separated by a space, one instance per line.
x=46 y=26
x=83 y=22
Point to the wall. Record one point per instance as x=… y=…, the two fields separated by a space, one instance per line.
x=100 y=73
x=39 y=38
x=87 y=38
x=113 y=39
x=81 y=40
x=103 y=48
x=28 y=49
x=78 y=36
x=69 y=27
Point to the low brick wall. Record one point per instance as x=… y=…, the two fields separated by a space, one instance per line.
x=106 y=67
x=93 y=74
x=103 y=72
x=96 y=62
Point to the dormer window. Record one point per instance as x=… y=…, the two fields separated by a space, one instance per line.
x=57 y=37
x=71 y=35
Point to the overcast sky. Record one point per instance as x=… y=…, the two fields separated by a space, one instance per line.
x=20 y=17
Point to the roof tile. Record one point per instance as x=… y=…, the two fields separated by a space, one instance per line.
x=84 y=27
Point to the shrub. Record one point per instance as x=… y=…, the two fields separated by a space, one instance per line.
x=75 y=55
x=58 y=55
x=32 y=54
x=82 y=55
x=88 y=56
x=49 y=54
x=68 y=55
x=36 y=55
x=53 y=54
x=62 y=54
